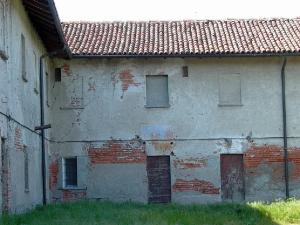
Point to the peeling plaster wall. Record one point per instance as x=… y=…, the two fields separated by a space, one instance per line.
x=20 y=100
x=98 y=110
x=4 y=78
x=3 y=88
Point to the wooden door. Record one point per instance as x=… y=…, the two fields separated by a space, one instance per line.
x=232 y=177
x=159 y=179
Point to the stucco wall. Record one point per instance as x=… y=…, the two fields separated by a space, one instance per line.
x=98 y=113
x=20 y=100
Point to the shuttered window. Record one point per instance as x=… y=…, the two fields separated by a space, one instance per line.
x=36 y=74
x=2 y=28
x=230 y=90
x=23 y=58
x=47 y=89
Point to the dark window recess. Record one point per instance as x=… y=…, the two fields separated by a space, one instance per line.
x=185 y=71
x=26 y=169
x=70 y=172
x=159 y=179
x=58 y=74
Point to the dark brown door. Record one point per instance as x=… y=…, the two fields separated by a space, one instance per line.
x=159 y=180
x=232 y=177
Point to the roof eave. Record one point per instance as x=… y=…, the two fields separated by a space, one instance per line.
x=286 y=54
x=45 y=19
x=57 y=23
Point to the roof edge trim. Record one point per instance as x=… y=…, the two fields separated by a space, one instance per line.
x=57 y=23
x=74 y=56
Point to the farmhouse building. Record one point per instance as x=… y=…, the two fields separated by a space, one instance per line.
x=153 y=112
x=28 y=30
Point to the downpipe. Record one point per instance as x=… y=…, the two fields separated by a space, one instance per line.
x=284 y=123
x=42 y=126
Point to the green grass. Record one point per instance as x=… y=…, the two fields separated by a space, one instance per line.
x=91 y=213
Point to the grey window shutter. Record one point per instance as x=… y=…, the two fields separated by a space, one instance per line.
x=157 y=94
x=82 y=171
x=230 y=90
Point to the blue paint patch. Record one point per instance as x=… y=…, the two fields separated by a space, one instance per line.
x=157 y=131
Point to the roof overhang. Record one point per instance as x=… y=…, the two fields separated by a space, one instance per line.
x=200 y=56
x=44 y=17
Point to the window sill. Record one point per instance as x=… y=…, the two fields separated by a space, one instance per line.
x=161 y=106
x=230 y=105
x=74 y=188
x=70 y=108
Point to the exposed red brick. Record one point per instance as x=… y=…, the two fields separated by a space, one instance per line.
x=294 y=160
x=71 y=195
x=272 y=156
x=53 y=174
x=118 y=152
x=66 y=69
x=18 y=139
x=190 y=163
x=127 y=80
x=6 y=189
x=6 y=180
x=202 y=186
x=257 y=155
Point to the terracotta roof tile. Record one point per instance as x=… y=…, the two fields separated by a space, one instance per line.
x=203 y=37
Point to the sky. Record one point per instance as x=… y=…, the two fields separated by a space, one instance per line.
x=121 y=10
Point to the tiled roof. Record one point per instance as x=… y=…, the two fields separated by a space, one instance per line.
x=180 y=38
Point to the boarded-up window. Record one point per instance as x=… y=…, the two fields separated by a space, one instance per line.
x=157 y=94
x=70 y=172
x=23 y=58
x=36 y=74
x=26 y=169
x=47 y=89
x=2 y=27
x=230 y=90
